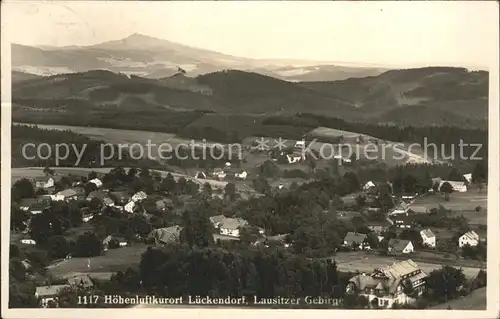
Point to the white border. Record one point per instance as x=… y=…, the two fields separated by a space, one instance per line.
x=493 y=265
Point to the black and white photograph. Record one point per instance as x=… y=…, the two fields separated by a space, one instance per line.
x=320 y=156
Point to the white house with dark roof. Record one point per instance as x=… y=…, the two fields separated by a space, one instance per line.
x=386 y=286
x=470 y=238
x=468 y=177
x=228 y=226
x=400 y=246
x=428 y=238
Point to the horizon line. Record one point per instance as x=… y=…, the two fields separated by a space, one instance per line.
x=305 y=62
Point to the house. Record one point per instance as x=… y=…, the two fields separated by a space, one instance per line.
x=97 y=182
x=66 y=195
x=400 y=246
x=46 y=294
x=459 y=187
x=27 y=240
x=120 y=242
x=468 y=178
x=428 y=238
x=129 y=207
x=368 y=186
x=219 y=173
x=82 y=281
x=166 y=235
x=356 y=240
x=120 y=197
x=386 y=286
x=139 y=196
x=44 y=182
x=228 y=226
x=470 y=238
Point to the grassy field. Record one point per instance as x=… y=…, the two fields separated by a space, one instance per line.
x=101 y=266
x=461 y=204
x=474 y=301
x=359 y=261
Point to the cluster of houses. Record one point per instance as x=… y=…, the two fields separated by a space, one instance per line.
x=226 y=173
x=388 y=286
x=49 y=294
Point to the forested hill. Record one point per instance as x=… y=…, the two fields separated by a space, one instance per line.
x=413 y=97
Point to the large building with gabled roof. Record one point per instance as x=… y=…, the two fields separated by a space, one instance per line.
x=398 y=283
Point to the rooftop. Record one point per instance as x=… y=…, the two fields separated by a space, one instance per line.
x=47 y=291
x=398 y=244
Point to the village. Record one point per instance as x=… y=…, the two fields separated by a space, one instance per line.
x=395 y=238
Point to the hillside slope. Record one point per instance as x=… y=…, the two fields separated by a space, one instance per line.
x=418 y=97
x=455 y=94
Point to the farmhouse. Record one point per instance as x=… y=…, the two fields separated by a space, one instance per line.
x=470 y=238
x=386 y=286
x=167 y=235
x=468 y=178
x=400 y=246
x=368 y=185
x=66 y=195
x=139 y=196
x=44 y=182
x=46 y=294
x=97 y=182
x=428 y=238
x=356 y=240
x=228 y=226
x=129 y=207
x=459 y=187
x=108 y=201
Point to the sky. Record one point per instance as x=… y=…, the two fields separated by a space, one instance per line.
x=378 y=33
